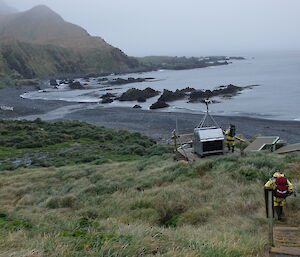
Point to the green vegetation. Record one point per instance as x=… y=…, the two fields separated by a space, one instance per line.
x=180 y=63
x=141 y=208
x=43 y=144
x=19 y=61
x=131 y=204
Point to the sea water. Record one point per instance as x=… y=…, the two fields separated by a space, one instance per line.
x=276 y=97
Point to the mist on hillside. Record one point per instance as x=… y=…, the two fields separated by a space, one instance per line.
x=174 y=27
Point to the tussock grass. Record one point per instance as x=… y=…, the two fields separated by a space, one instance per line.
x=147 y=207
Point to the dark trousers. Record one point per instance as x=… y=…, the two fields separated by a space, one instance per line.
x=279 y=211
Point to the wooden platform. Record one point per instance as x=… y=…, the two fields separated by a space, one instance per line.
x=189 y=155
x=261 y=142
x=287 y=242
x=288 y=149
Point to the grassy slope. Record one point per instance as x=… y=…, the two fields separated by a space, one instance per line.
x=212 y=209
x=95 y=210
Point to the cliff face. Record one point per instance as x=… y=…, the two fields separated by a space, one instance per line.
x=39 y=43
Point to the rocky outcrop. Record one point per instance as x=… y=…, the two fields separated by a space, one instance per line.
x=168 y=96
x=53 y=82
x=108 y=95
x=137 y=107
x=223 y=91
x=197 y=95
x=159 y=105
x=102 y=79
x=134 y=94
x=107 y=100
x=76 y=85
x=236 y=58
x=120 y=81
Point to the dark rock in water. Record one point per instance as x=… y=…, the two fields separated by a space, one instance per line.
x=108 y=95
x=199 y=95
x=169 y=96
x=236 y=58
x=187 y=90
x=159 y=105
x=53 y=82
x=120 y=81
x=142 y=99
x=107 y=100
x=134 y=94
x=75 y=85
x=224 y=91
x=102 y=79
x=137 y=107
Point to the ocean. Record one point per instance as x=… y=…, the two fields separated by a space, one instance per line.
x=277 y=96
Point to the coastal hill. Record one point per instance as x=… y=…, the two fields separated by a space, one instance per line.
x=39 y=43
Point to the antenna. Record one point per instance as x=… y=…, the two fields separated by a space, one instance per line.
x=207 y=102
x=207 y=115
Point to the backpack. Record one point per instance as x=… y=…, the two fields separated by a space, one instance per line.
x=282 y=187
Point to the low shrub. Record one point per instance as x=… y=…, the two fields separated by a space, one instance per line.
x=12 y=223
x=67 y=201
x=196 y=216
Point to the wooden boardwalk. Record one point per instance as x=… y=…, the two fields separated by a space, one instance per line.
x=286 y=241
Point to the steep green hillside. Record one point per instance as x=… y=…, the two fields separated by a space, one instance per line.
x=146 y=205
x=39 y=43
x=30 y=60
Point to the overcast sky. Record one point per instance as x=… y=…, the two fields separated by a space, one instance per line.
x=184 y=27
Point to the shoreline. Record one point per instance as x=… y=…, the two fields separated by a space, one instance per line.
x=156 y=124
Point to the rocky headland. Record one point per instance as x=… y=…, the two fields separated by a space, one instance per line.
x=192 y=95
x=134 y=94
x=121 y=81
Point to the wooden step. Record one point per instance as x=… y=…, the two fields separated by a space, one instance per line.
x=287 y=236
x=285 y=251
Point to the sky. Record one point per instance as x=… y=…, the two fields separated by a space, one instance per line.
x=184 y=27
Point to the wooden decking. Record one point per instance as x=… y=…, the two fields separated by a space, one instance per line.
x=189 y=155
x=286 y=241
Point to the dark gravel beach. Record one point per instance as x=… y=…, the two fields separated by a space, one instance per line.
x=22 y=107
x=157 y=125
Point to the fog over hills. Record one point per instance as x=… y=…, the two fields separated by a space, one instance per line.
x=191 y=27
x=38 y=42
x=5 y=8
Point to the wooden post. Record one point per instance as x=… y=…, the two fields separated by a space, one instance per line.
x=174 y=137
x=270 y=216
